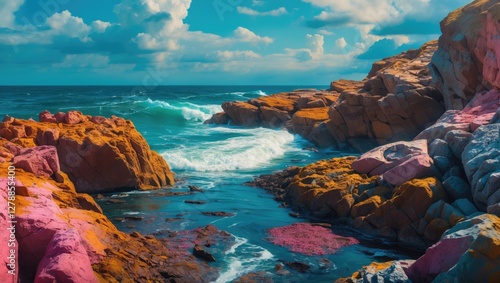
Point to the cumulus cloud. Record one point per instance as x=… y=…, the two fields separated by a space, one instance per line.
x=7 y=10
x=66 y=24
x=315 y=44
x=100 y=26
x=246 y=35
x=251 y=12
x=341 y=43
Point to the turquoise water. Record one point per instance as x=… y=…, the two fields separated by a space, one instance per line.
x=217 y=159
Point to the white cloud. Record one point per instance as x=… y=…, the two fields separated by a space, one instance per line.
x=66 y=24
x=251 y=12
x=237 y=55
x=257 y=2
x=100 y=26
x=315 y=44
x=325 y=32
x=341 y=43
x=246 y=35
x=7 y=10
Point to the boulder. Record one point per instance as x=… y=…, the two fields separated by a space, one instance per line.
x=469 y=251
x=398 y=162
x=65 y=260
x=40 y=160
x=481 y=160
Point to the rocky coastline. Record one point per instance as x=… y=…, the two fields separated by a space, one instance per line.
x=60 y=233
x=427 y=124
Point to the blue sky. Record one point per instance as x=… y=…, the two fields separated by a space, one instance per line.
x=199 y=42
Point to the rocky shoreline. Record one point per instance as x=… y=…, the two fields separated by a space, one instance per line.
x=433 y=180
x=61 y=234
x=427 y=122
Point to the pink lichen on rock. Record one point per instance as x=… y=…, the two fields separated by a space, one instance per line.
x=309 y=239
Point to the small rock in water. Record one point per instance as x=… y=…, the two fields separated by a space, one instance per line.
x=195 y=189
x=200 y=253
x=218 y=213
x=298 y=266
x=195 y=201
x=294 y=215
x=115 y=201
x=134 y=218
x=172 y=219
x=99 y=196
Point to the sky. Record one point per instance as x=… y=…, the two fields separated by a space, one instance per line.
x=207 y=42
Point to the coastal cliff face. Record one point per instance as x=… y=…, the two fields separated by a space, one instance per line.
x=97 y=153
x=466 y=61
x=60 y=234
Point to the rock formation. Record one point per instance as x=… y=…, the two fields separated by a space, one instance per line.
x=395 y=102
x=97 y=153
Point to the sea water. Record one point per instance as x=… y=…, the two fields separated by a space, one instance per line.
x=216 y=158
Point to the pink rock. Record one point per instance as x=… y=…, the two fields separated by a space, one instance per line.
x=383 y=158
x=74 y=117
x=40 y=160
x=45 y=116
x=416 y=167
x=48 y=137
x=36 y=225
x=5 y=236
x=309 y=239
x=66 y=260
x=60 y=117
x=98 y=119
x=438 y=259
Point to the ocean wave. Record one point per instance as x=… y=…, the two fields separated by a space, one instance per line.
x=244 y=94
x=249 y=258
x=250 y=149
x=187 y=110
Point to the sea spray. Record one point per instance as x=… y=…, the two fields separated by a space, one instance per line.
x=250 y=149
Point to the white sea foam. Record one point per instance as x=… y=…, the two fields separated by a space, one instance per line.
x=245 y=258
x=250 y=149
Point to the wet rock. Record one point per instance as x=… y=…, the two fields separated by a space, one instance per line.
x=298 y=266
x=200 y=253
x=195 y=201
x=218 y=213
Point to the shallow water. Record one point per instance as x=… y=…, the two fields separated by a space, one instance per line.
x=217 y=159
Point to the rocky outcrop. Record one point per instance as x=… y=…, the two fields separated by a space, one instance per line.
x=301 y=111
x=97 y=153
x=469 y=251
x=395 y=102
x=416 y=212
x=466 y=61
x=61 y=235
x=392 y=271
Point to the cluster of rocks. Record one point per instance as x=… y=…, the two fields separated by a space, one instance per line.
x=440 y=181
x=99 y=154
x=61 y=234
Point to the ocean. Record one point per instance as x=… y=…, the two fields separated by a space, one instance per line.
x=218 y=159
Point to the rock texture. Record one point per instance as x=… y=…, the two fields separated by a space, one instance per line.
x=470 y=252
x=97 y=153
x=466 y=61
x=481 y=160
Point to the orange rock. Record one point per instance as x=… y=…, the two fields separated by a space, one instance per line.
x=366 y=207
